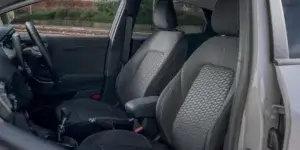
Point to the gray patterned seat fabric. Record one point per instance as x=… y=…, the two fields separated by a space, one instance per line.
x=193 y=110
x=146 y=74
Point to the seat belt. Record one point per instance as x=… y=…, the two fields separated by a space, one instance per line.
x=127 y=40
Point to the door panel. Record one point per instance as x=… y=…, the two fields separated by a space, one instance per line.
x=78 y=55
x=79 y=61
x=289 y=83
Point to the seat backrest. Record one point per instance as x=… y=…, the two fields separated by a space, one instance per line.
x=193 y=110
x=157 y=61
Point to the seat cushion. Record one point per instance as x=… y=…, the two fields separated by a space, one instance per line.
x=86 y=109
x=90 y=116
x=119 y=140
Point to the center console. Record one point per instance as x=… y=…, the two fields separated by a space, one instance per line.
x=20 y=118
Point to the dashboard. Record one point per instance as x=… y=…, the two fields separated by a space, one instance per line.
x=11 y=137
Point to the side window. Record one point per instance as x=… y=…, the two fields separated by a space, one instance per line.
x=191 y=19
x=291 y=10
x=69 y=17
x=143 y=24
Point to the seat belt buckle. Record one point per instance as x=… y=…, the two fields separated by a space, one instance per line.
x=131 y=119
x=139 y=129
x=96 y=96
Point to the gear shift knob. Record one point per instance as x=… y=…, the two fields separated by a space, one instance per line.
x=64 y=115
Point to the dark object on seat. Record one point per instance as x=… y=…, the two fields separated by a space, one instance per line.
x=146 y=73
x=142 y=107
x=91 y=117
x=193 y=110
x=90 y=109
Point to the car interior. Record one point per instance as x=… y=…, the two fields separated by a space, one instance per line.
x=118 y=92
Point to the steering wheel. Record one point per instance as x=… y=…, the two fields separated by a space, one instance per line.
x=36 y=38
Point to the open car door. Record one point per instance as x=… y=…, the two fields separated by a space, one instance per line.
x=285 y=28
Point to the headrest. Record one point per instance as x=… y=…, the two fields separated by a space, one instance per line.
x=164 y=15
x=225 y=17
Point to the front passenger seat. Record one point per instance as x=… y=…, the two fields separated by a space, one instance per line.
x=193 y=110
x=146 y=74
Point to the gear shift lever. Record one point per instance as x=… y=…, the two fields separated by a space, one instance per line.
x=65 y=115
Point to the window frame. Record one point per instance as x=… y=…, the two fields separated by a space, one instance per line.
x=279 y=32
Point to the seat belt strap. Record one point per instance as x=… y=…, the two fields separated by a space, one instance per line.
x=127 y=40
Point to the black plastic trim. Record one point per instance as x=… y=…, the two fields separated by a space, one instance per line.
x=284 y=62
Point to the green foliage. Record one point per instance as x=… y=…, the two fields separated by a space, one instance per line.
x=107 y=7
x=73 y=14
x=87 y=15
x=104 y=12
x=41 y=14
x=102 y=18
x=22 y=15
x=60 y=14
x=145 y=12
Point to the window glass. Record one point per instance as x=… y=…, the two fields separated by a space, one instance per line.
x=291 y=10
x=69 y=17
x=191 y=19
